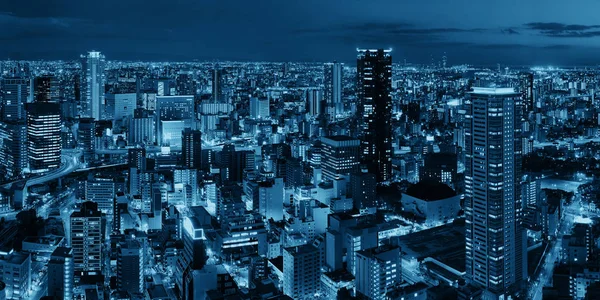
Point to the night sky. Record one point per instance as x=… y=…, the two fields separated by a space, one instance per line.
x=515 y=32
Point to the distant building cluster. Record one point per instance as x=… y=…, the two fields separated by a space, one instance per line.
x=246 y=180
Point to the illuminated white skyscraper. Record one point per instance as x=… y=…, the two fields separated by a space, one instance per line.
x=92 y=87
x=495 y=239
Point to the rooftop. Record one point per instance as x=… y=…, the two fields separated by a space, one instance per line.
x=493 y=91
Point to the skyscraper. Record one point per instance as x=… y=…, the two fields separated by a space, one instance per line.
x=340 y=156
x=87 y=238
x=43 y=136
x=374 y=69
x=217 y=84
x=191 y=148
x=526 y=89
x=46 y=89
x=333 y=88
x=314 y=99
x=495 y=249
x=13 y=149
x=92 y=87
x=60 y=274
x=86 y=139
x=130 y=260
x=16 y=92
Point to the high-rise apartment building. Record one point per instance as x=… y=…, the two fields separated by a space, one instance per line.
x=495 y=239
x=378 y=270
x=102 y=192
x=86 y=238
x=301 y=271
x=60 y=274
x=92 y=87
x=374 y=69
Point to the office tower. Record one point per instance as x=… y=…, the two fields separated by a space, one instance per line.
x=191 y=148
x=314 y=100
x=46 y=89
x=440 y=167
x=142 y=128
x=44 y=136
x=16 y=274
x=259 y=108
x=92 y=87
x=270 y=199
x=136 y=158
x=173 y=114
x=378 y=270
x=185 y=84
x=226 y=161
x=495 y=248
x=13 y=149
x=333 y=77
x=102 y=192
x=301 y=271
x=374 y=69
x=362 y=190
x=217 y=85
x=86 y=239
x=526 y=89
x=86 y=139
x=60 y=274
x=130 y=266
x=119 y=106
x=340 y=155
x=16 y=92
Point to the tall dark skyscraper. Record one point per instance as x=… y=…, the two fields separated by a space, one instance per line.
x=46 y=89
x=217 y=84
x=86 y=138
x=374 y=71
x=526 y=89
x=495 y=239
x=43 y=136
x=191 y=148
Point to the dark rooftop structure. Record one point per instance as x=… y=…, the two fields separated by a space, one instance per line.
x=445 y=243
x=430 y=190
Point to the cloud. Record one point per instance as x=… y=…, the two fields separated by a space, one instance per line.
x=554 y=29
x=509 y=31
x=388 y=28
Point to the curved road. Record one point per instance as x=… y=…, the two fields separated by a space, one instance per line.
x=69 y=163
